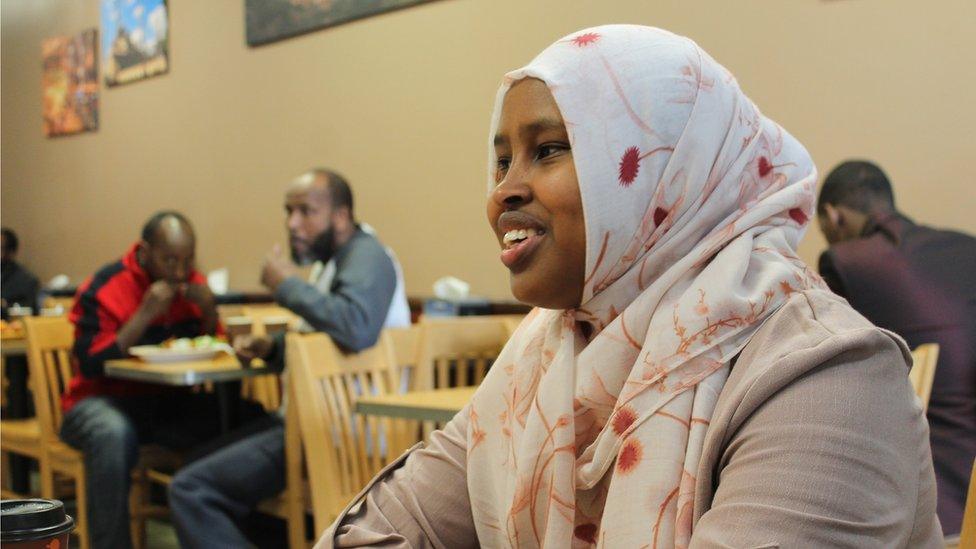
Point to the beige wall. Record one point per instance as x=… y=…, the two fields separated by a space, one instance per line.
x=400 y=104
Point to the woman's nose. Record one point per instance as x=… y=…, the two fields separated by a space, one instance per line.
x=511 y=193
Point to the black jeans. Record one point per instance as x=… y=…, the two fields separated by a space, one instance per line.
x=109 y=430
x=210 y=498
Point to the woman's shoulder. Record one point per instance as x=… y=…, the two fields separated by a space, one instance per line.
x=819 y=426
x=811 y=330
x=823 y=351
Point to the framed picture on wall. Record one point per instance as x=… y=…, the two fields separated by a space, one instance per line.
x=135 y=40
x=273 y=20
x=69 y=83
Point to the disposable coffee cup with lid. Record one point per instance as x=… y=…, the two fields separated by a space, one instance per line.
x=238 y=326
x=275 y=324
x=34 y=523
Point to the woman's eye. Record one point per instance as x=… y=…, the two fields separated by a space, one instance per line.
x=503 y=164
x=548 y=149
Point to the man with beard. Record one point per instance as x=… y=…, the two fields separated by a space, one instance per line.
x=355 y=291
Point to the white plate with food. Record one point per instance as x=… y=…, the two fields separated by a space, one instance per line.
x=182 y=349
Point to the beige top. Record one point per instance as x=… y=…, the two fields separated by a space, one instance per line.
x=816 y=441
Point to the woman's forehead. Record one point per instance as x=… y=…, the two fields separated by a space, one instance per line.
x=529 y=94
x=528 y=106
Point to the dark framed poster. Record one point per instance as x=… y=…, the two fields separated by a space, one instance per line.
x=272 y=20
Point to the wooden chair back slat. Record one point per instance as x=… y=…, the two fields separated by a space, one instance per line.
x=967 y=537
x=480 y=369
x=405 y=342
x=924 y=360
x=49 y=342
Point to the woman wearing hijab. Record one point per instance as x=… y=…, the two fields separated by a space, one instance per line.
x=685 y=380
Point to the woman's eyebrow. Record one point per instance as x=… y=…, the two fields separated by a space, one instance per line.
x=541 y=125
x=535 y=127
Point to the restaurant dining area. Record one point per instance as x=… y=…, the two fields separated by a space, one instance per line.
x=715 y=285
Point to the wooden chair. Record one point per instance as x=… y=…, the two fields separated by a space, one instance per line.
x=405 y=342
x=345 y=449
x=266 y=389
x=457 y=352
x=967 y=538
x=291 y=504
x=924 y=359
x=49 y=342
x=21 y=437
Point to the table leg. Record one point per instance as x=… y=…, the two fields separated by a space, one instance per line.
x=229 y=402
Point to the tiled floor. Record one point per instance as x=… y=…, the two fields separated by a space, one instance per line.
x=161 y=535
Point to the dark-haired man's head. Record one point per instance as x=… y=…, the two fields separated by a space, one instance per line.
x=319 y=210
x=852 y=193
x=10 y=245
x=167 y=250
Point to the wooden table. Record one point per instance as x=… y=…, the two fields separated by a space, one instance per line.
x=223 y=367
x=436 y=405
x=219 y=369
x=13 y=345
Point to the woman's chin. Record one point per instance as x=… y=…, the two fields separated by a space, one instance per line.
x=540 y=293
x=526 y=291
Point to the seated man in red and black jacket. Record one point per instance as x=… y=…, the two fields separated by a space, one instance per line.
x=153 y=293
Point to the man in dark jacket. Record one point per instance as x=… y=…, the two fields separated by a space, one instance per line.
x=920 y=283
x=19 y=286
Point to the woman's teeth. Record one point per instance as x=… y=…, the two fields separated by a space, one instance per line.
x=515 y=236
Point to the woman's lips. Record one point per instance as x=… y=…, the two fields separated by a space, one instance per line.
x=516 y=256
x=521 y=233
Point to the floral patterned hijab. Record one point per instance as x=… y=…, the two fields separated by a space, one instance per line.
x=694 y=203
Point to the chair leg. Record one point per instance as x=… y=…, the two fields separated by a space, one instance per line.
x=295 y=510
x=138 y=498
x=6 y=482
x=47 y=477
x=81 y=495
x=294 y=485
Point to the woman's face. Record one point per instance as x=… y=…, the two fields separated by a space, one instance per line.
x=535 y=208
